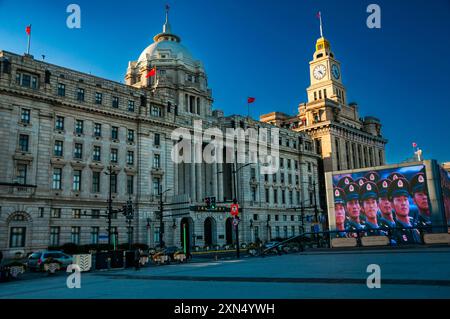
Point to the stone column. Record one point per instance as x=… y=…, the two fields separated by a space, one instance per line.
x=192 y=178
x=220 y=182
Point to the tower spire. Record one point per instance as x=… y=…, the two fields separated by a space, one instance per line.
x=166 y=26
x=319 y=16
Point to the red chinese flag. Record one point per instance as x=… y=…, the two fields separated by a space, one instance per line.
x=318 y=15
x=250 y=100
x=414 y=144
x=151 y=73
x=28 y=29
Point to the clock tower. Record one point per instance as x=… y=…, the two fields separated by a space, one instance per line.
x=325 y=75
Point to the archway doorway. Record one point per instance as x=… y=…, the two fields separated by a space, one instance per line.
x=210 y=231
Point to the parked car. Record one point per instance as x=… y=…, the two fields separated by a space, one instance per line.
x=37 y=259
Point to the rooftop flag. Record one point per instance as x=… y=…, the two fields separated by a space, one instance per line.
x=250 y=100
x=151 y=73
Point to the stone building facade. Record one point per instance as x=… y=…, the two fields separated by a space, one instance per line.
x=68 y=138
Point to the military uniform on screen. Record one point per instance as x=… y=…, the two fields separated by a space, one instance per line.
x=370 y=190
x=418 y=184
x=383 y=186
x=352 y=193
x=373 y=177
x=344 y=182
x=339 y=199
x=403 y=233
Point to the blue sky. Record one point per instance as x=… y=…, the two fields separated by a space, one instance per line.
x=261 y=48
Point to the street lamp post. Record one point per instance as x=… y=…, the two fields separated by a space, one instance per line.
x=109 y=173
x=161 y=209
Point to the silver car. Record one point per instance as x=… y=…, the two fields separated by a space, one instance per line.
x=36 y=260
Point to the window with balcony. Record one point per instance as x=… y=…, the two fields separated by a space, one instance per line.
x=156 y=185
x=21 y=174
x=23 y=142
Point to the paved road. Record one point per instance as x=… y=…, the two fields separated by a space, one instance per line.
x=418 y=273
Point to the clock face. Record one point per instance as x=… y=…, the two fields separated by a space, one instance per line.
x=319 y=71
x=335 y=71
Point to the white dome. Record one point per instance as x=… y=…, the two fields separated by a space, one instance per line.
x=172 y=48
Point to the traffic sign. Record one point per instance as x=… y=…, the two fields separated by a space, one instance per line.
x=234 y=209
x=103 y=238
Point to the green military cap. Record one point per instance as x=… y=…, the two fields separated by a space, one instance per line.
x=360 y=181
x=394 y=176
x=351 y=192
x=368 y=190
x=344 y=182
x=383 y=186
x=418 y=183
x=339 y=195
x=398 y=187
x=373 y=176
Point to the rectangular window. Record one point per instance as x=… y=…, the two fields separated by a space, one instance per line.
x=41 y=212
x=292 y=230
x=130 y=136
x=115 y=133
x=27 y=80
x=113 y=181
x=274 y=177
x=285 y=229
x=78 y=151
x=156 y=161
x=58 y=150
x=156 y=186
x=275 y=196
x=130 y=158
x=95 y=213
x=156 y=111
x=285 y=218
x=23 y=142
x=131 y=106
x=96 y=182
x=55 y=213
x=283 y=196
x=115 y=102
x=22 y=174
x=56 y=178
x=157 y=139
x=291 y=198
x=61 y=89
x=97 y=130
x=76 y=213
x=267 y=195
x=17 y=237
x=59 y=123
x=79 y=127
x=25 y=116
x=80 y=95
x=277 y=231
x=54 y=236
x=96 y=154
x=130 y=184
x=114 y=155
x=277 y=218
x=94 y=235
x=98 y=98
x=289 y=179
x=253 y=194
x=76 y=180
x=75 y=235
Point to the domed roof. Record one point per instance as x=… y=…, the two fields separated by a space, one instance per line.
x=173 y=48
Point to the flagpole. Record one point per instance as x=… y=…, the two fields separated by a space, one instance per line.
x=320 y=18
x=248 y=110
x=29 y=41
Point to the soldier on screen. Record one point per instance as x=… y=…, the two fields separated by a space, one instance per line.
x=368 y=196
x=387 y=219
x=420 y=198
x=339 y=212
x=404 y=233
x=353 y=224
x=344 y=182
